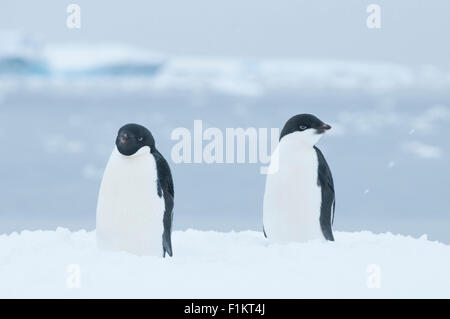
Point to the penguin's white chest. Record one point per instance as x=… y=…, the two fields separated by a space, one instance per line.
x=129 y=210
x=292 y=198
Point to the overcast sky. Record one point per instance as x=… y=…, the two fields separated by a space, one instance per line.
x=412 y=31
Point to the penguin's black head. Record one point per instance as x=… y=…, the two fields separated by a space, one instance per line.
x=132 y=137
x=307 y=127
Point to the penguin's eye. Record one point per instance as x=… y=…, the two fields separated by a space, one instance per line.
x=302 y=127
x=140 y=139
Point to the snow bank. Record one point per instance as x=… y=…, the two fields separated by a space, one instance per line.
x=236 y=265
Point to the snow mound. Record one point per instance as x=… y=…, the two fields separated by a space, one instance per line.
x=225 y=265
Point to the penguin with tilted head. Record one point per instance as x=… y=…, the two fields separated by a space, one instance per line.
x=299 y=196
x=136 y=198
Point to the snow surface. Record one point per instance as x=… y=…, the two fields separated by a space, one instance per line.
x=235 y=265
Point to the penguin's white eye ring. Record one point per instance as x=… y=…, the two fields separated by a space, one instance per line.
x=302 y=127
x=140 y=139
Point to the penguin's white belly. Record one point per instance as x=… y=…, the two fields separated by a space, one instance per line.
x=292 y=198
x=129 y=210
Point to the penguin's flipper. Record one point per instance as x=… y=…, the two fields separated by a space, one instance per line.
x=325 y=181
x=166 y=189
x=264 y=232
x=166 y=238
x=167 y=221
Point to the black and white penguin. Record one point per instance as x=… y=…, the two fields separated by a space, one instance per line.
x=299 y=196
x=136 y=198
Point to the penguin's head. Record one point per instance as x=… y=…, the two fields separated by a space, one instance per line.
x=306 y=127
x=132 y=137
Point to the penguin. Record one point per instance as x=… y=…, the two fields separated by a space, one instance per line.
x=299 y=199
x=136 y=197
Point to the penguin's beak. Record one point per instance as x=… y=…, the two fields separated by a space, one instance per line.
x=323 y=128
x=123 y=138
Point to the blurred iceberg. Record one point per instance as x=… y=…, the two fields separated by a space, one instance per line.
x=102 y=60
x=21 y=55
x=118 y=65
